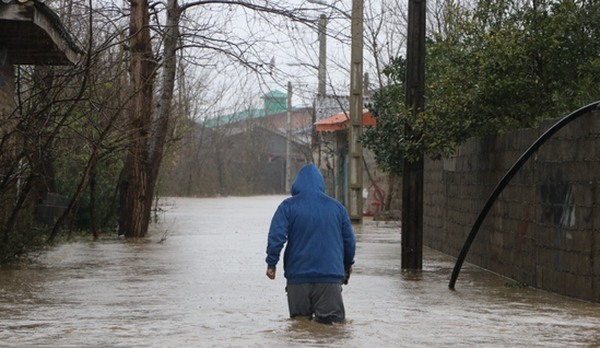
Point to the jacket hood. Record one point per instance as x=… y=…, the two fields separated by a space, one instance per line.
x=309 y=179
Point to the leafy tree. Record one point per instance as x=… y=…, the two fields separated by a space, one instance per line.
x=501 y=66
x=507 y=65
x=384 y=139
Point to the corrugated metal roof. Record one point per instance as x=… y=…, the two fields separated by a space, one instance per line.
x=234 y=117
x=276 y=94
x=275 y=102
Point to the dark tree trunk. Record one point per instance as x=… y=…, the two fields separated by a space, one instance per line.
x=135 y=198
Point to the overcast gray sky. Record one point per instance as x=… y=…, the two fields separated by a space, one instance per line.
x=285 y=42
x=268 y=38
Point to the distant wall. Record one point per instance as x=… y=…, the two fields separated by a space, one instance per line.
x=543 y=229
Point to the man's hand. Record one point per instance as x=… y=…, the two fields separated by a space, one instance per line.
x=347 y=276
x=271 y=273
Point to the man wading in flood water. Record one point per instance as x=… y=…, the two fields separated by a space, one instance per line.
x=320 y=248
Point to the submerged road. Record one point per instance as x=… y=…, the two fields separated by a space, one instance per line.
x=205 y=286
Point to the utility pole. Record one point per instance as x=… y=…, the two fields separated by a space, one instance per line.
x=355 y=166
x=412 y=179
x=322 y=57
x=288 y=142
x=322 y=89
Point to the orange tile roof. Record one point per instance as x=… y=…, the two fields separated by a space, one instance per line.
x=340 y=122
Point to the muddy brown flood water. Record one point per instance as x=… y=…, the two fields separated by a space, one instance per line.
x=205 y=286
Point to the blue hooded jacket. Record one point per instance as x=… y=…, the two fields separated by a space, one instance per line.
x=320 y=239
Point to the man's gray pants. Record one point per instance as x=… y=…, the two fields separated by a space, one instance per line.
x=323 y=300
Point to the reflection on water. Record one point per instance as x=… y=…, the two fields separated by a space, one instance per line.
x=205 y=286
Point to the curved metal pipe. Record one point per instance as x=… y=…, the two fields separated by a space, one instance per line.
x=506 y=179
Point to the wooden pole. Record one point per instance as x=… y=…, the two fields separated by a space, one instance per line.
x=288 y=142
x=322 y=57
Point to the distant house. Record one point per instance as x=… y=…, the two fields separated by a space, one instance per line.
x=333 y=135
x=258 y=139
x=272 y=115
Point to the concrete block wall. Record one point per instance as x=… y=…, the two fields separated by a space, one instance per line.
x=543 y=228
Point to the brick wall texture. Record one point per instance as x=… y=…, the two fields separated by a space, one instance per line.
x=543 y=229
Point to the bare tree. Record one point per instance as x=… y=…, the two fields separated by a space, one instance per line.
x=150 y=127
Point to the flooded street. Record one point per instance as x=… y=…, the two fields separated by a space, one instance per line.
x=205 y=286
